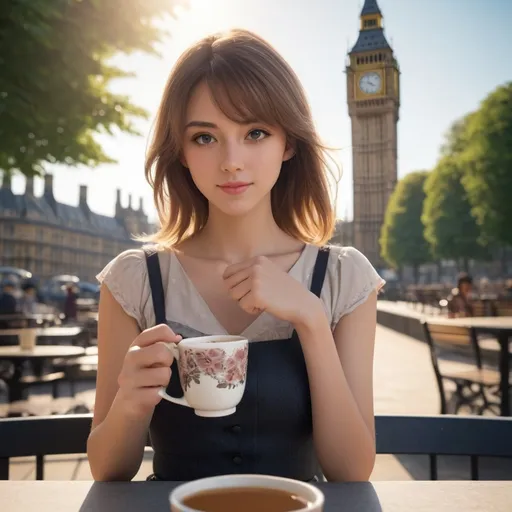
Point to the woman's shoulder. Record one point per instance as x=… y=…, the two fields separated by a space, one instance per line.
x=348 y=259
x=131 y=261
x=127 y=261
x=126 y=278
x=351 y=278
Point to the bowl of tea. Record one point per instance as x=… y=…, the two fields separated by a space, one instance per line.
x=247 y=493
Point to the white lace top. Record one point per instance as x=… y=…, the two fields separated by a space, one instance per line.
x=349 y=280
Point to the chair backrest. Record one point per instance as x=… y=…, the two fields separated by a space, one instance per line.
x=504 y=307
x=444 y=434
x=424 y=435
x=479 y=308
x=40 y=436
x=473 y=436
x=451 y=337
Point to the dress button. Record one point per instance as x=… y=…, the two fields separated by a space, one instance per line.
x=237 y=459
x=236 y=429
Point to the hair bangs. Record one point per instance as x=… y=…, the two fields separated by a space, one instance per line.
x=240 y=94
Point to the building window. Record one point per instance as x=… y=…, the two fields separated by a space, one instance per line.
x=370 y=23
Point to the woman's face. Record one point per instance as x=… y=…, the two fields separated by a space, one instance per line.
x=234 y=165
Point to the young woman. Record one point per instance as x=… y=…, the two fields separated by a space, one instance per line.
x=239 y=182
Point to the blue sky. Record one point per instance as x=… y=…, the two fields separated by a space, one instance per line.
x=451 y=53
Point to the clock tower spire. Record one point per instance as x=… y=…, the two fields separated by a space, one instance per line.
x=373 y=97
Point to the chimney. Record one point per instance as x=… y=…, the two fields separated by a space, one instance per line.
x=6 y=181
x=130 y=202
x=141 y=205
x=48 y=186
x=29 y=186
x=82 y=203
x=118 y=202
x=83 y=195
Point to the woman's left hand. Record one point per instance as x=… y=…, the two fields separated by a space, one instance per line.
x=259 y=285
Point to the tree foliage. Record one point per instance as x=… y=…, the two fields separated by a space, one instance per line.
x=487 y=158
x=450 y=229
x=402 y=241
x=55 y=75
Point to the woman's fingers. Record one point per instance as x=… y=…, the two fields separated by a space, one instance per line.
x=154 y=355
x=161 y=332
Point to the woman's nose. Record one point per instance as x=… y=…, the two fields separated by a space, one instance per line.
x=233 y=158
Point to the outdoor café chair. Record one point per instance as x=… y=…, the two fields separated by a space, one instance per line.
x=433 y=436
x=475 y=386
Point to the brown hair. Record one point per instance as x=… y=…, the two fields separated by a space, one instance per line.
x=248 y=80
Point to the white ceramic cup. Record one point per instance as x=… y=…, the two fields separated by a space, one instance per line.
x=308 y=492
x=212 y=371
x=27 y=338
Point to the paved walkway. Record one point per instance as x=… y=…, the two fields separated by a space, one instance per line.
x=403 y=382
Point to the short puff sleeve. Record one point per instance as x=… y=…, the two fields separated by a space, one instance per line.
x=353 y=279
x=126 y=278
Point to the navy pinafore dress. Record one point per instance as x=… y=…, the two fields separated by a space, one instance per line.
x=271 y=431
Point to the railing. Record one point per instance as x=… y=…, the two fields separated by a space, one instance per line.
x=413 y=435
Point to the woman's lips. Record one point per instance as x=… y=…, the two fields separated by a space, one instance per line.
x=234 y=188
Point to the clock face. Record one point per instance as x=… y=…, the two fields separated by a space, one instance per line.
x=370 y=83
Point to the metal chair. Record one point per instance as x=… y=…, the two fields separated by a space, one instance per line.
x=476 y=386
x=412 y=435
x=472 y=436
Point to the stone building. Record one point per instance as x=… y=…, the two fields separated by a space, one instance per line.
x=343 y=233
x=373 y=95
x=49 y=238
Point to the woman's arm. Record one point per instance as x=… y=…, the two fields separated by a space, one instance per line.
x=116 y=444
x=339 y=366
x=340 y=371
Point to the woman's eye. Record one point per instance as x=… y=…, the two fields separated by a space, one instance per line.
x=257 y=134
x=204 y=139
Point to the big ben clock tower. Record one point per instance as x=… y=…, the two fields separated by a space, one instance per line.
x=373 y=96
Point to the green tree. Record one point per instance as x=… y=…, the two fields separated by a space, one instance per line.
x=55 y=72
x=488 y=160
x=456 y=138
x=402 y=241
x=450 y=228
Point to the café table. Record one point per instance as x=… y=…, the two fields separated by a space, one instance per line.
x=499 y=327
x=400 y=496
x=58 y=332
x=38 y=354
x=28 y=319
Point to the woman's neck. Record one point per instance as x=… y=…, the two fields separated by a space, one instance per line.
x=238 y=238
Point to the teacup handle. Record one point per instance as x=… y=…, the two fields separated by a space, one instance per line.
x=173 y=347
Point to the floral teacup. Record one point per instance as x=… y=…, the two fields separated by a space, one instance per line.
x=212 y=372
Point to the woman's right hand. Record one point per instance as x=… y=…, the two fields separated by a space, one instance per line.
x=146 y=368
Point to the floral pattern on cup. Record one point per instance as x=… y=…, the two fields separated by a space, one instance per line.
x=228 y=370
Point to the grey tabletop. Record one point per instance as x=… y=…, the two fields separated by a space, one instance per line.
x=54 y=332
x=482 y=322
x=40 y=351
x=85 y=496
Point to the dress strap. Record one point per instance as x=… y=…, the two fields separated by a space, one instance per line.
x=319 y=271
x=317 y=281
x=155 y=283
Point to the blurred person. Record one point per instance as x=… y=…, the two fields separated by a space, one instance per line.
x=70 y=309
x=28 y=302
x=239 y=178
x=507 y=290
x=8 y=301
x=460 y=300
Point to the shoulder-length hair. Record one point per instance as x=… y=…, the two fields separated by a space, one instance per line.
x=248 y=80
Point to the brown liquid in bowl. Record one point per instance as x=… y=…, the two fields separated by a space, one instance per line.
x=245 y=499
